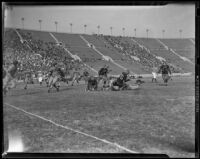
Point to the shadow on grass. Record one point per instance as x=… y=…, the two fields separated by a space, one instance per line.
x=181 y=143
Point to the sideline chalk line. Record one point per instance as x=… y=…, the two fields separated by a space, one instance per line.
x=77 y=131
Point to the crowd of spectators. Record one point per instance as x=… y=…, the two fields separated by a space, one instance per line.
x=35 y=55
x=136 y=53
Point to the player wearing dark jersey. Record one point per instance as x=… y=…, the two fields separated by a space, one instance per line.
x=166 y=72
x=54 y=77
x=103 y=74
x=120 y=82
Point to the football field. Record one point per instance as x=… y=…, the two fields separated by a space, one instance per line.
x=152 y=119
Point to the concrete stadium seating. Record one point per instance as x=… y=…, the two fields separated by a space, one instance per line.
x=150 y=43
x=77 y=46
x=39 y=35
x=183 y=47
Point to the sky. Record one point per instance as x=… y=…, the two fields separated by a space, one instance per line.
x=170 y=18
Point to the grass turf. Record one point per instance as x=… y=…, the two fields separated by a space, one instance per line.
x=152 y=119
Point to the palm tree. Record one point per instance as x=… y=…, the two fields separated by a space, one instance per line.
x=40 y=21
x=123 y=29
x=71 y=27
x=180 y=31
x=56 y=23
x=22 y=19
x=135 y=31
x=85 y=26
x=98 y=27
x=111 y=30
x=147 y=30
x=163 y=31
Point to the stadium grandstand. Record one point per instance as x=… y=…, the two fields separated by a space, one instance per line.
x=136 y=54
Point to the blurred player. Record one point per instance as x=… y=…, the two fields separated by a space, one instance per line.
x=53 y=77
x=40 y=77
x=9 y=76
x=166 y=72
x=154 y=73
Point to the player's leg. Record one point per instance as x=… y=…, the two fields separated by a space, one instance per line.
x=50 y=81
x=54 y=83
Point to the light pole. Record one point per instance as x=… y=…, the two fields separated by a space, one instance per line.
x=98 y=27
x=123 y=29
x=56 y=23
x=111 y=30
x=22 y=19
x=147 y=30
x=163 y=31
x=40 y=21
x=135 y=31
x=180 y=31
x=71 y=27
x=85 y=26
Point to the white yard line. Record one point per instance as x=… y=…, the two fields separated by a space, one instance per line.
x=71 y=129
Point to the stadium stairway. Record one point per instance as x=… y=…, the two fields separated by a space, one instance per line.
x=76 y=57
x=106 y=58
x=181 y=57
x=22 y=40
x=166 y=49
x=109 y=53
x=89 y=56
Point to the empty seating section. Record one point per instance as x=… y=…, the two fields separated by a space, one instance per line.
x=77 y=46
x=135 y=67
x=39 y=35
x=190 y=54
x=175 y=60
x=146 y=59
x=111 y=53
x=178 y=43
x=103 y=47
x=150 y=43
x=100 y=63
x=85 y=53
x=94 y=39
x=70 y=39
x=184 y=47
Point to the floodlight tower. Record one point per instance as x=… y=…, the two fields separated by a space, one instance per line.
x=40 y=23
x=111 y=28
x=163 y=33
x=71 y=27
x=123 y=29
x=98 y=27
x=56 y=23
x=22 y=19
x=85 y=26
x=135 y=31
x=147 y=30
x=180 y=31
